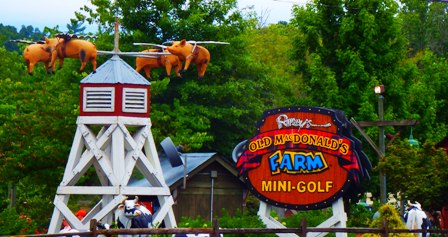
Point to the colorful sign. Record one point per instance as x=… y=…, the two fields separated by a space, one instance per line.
x=302 y=158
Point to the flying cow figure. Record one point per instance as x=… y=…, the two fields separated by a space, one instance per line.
x=168 y=61
x=131 y=214
x=73 y=46
x=190 y=51
x=62 y=46
x=41 y=51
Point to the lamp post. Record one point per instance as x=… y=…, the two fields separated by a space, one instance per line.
x=379 y=90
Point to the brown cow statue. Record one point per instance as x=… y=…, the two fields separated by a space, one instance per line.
x=191 y=53
x=72 y=47
x=41 y=52
x=168 y=61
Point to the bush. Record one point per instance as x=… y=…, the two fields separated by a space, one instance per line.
x=359 y=216
x=199 y=222
x=313 y=218
x=11 y=223
x=239 y=220
x=390 y=214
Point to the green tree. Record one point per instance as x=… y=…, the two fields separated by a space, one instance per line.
x=8 y=33
x=426 y=95
x=346 y=49
x=272 y=48
x=75 y=27
x=425 y=24
x=425 y=171
x=38 y=119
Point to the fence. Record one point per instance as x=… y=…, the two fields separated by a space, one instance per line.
x=216 y=231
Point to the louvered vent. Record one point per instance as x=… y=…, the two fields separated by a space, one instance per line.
x=135 y=100
x=99 y=99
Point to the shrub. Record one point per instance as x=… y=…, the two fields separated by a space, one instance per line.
x=239 y=220
x=313 y=218
x=388 y=213
x=11 y=223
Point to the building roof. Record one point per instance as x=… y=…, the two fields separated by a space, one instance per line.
x=115 y=71
x=175 y=174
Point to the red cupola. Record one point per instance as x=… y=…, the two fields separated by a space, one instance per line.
x=116 y=89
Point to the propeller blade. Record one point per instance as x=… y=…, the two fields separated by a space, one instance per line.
x=206 y=42
x=23 y=41
x=133 y=54
x=150 y=44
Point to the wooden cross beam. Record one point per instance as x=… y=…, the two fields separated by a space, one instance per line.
x=359 y=125
x=384 y=123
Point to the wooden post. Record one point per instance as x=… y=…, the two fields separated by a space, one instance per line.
x=385 y=232
x=12 y=194
x=215 y=228
x=303 y=227
x=93 y=224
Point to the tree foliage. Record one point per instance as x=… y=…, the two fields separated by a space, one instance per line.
x=8 y=33
x=346 y=49
x=426 y=94
x=425 y=24
x=38 y=118
x=272 y=48
x=75 y=27
x=425 y=171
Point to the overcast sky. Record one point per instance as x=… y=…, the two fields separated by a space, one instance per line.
x=41 y=13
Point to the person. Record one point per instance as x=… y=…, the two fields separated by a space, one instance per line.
x=80 y=214
x=416 y=218
x=65 y=226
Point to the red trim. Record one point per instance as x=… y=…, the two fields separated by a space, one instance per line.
x=118 y=100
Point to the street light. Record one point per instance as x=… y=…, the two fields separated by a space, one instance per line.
x=379 y=90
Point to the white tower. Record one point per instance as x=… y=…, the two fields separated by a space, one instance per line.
x=113 y=137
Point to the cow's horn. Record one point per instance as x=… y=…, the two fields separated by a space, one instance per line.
x=124 y=199
x=136 y=199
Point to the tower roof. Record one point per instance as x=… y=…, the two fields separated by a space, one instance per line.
x=115 y=71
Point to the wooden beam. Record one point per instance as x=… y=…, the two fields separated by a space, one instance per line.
x=384 y=123
x=372 y=144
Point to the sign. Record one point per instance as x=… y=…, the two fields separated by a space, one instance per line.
x=303 y=158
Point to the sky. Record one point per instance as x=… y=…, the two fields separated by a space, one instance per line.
x=50 y=13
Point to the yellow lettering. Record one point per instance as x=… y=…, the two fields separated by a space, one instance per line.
x=301 y=187
x=328 y=185
x=282 y=186
x=344 y=149
x=314 y=187
x=266 y=186
x=279 y=139
x=260 y=144
x=311 y=187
